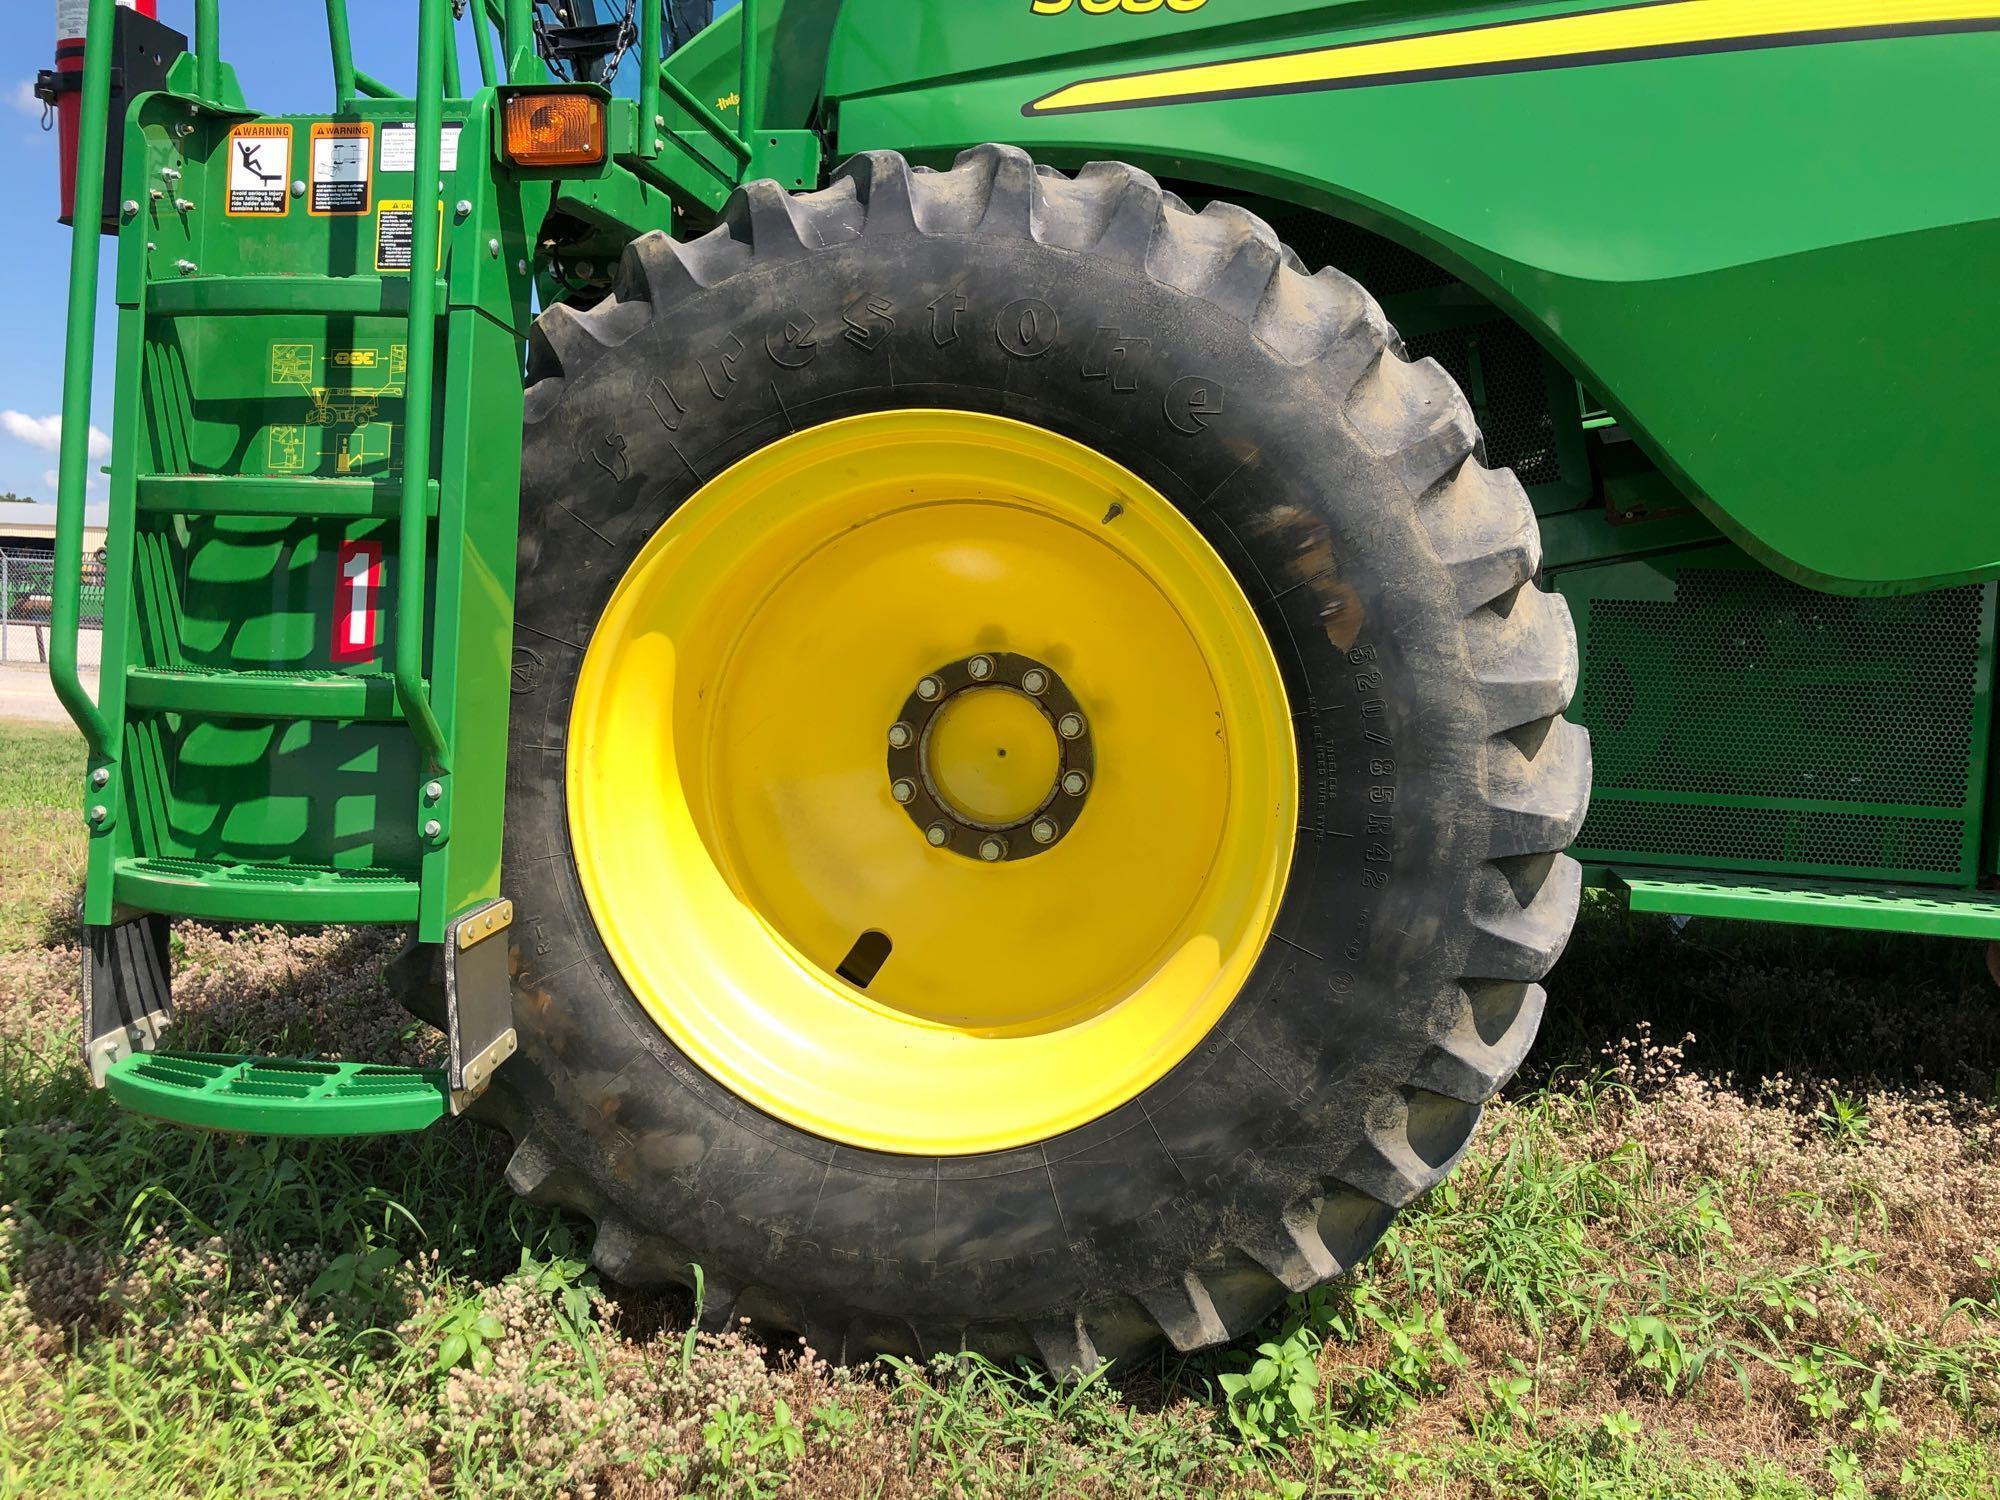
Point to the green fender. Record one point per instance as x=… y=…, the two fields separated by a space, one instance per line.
x=1771 y=255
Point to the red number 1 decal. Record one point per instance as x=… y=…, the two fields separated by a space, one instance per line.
x=356 y=598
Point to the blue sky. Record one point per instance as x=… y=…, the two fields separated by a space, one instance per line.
x=278 y=48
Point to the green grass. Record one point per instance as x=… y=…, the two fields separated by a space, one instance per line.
x=41 y=818
x=1760 y=1263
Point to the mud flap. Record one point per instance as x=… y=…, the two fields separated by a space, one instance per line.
x=127 y=991
x=479 y=1000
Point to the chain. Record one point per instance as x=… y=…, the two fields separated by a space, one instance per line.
x=628 y=33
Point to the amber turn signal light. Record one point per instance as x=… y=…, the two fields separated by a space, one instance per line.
x=554 y=130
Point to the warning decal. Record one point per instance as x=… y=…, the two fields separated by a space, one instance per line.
x=399 y=148
x=340 y=161
x=260 y=170
x=395 y=225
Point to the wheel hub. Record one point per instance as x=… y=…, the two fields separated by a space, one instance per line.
x=991 y=757
x=769 y=888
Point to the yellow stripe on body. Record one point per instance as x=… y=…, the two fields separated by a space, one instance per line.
x=1676 y=23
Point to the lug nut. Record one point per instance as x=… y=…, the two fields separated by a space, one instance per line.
x=1044 y=830
x=938 y=834
x=433 y=828
x=899 y=736
x=99 y=813
x=1074 y=782
x=101 y=777
x=1035 y=680
x=1069 y=726
x=903 y=789
x=929 y=688
x=433 y=790
x=981 y=668
x=992 y=849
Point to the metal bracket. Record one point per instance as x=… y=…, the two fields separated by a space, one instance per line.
x=127 y=991
x=479 y=1000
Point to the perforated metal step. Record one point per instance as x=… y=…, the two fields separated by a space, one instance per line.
x=278 y=1096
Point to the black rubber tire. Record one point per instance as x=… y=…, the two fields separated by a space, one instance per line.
x=1392 y=572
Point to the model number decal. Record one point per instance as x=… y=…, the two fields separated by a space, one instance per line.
x=1105 y=7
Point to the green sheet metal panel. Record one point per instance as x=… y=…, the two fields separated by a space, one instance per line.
x=1771 y=257
x=1742 y=722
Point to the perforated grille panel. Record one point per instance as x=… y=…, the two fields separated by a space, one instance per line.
x=1501 y=371
x=1378 y=263
x=1741 y=721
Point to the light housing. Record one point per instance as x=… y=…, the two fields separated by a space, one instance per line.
x=553 y=127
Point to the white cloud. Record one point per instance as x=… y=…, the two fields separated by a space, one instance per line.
x=22 y=97
x=97 y=485
x=45 y=433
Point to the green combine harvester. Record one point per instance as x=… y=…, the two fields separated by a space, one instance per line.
x=973 y=736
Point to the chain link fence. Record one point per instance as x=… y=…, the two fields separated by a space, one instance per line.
x=27 y=594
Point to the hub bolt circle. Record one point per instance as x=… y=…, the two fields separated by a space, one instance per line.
x=903 y=789
x=1044 y=830
x=1069 y=726
x=929 y=688
x=992 y=849
x=1035 y=681
x=938 y=834
x=899 y=736
x=1074 y=782
x=981 y=668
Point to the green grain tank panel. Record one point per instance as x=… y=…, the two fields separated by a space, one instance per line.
x=1764 y=235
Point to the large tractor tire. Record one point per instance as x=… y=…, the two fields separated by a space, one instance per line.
x=1038 y=772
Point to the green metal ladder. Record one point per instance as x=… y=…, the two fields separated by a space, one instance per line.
x=428 y=726
x=134 y=688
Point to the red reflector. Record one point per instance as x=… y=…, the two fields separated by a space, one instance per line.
x=357 y=598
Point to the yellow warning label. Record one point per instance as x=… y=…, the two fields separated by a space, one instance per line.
x=395 y=229
x=260 y=171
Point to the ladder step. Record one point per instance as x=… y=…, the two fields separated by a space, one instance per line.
x=199 y=296
x=276 y=1095
x=279 y=892
x=262 y=694
x=272 y=495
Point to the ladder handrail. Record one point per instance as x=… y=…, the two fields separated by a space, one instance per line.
x=413 y=546
x=79 y=348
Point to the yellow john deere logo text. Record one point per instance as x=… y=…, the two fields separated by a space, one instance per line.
x=1626 y=33
x=1105 y=7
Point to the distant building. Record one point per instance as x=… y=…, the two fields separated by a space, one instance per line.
x=32 y=528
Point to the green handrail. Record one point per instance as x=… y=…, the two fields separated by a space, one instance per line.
x=414 y=534
x=73 y=464
x=746 y=58
x=651 y=13
x=207 y=49
x=482 y=39
x=340 y=41
x=518 y=37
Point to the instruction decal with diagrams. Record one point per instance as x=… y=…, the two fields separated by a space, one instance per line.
x=260 y=170
x=341 y=158
x=343 y=429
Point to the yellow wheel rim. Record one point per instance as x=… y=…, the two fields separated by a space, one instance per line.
x=737 y=828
